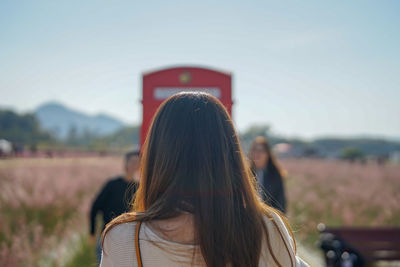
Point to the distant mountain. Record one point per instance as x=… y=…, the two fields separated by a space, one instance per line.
x=63 y=121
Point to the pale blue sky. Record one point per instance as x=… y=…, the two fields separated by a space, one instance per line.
x=307 y=68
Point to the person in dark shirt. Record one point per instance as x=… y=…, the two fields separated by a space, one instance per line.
x=116 y=195
x=268 y=174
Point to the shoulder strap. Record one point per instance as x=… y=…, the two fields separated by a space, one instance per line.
x=138 y=255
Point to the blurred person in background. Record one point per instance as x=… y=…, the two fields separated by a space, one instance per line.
x=197 y=202
x=268 y=174
x=116 y=196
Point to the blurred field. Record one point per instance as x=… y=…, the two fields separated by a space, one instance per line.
x=44 y=203
x=339 y=193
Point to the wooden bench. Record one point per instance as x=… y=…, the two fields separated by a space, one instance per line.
x=364 y=246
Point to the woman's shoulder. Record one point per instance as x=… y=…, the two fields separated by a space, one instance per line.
x=122 y=228
x=119 y=245
x=122 y=234
x=280 y=239
x=277 y=229
x=276 y=218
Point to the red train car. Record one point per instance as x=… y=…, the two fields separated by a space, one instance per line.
x=161 y=84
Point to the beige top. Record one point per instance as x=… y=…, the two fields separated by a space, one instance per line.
x=119 y=248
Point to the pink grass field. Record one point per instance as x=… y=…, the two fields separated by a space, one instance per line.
x=339 y=193
x=45 y=201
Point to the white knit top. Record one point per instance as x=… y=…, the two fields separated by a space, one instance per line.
x=119 y=248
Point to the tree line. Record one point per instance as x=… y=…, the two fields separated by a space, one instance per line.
x=25 y=130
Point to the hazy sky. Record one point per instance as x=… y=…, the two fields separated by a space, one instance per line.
x=307 y=68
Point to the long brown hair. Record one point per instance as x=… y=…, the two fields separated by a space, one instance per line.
x=192 y=161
